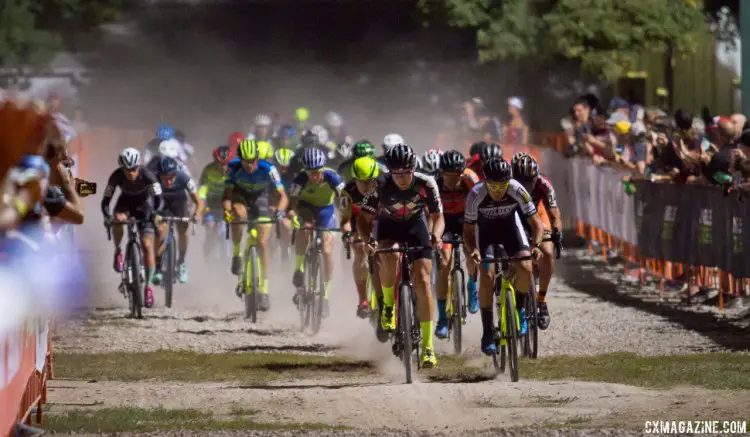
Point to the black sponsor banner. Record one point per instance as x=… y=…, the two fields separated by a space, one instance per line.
x=738 y=236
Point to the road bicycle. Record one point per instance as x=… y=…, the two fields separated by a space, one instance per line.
x=408 y=336
x=311 y=296
x=170 y=269
x=248 y=284
x=133 y=273
x=457 y=308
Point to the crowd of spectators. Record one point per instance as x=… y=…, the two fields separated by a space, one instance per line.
x=650 y=144
x=477 y=121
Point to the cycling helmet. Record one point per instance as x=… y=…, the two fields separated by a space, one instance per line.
x=263 y=120
x=477 y=147
x=167 y=166
x=265 y=150
x=365 y=168
x=452 y=161
x=301 y=114
x=400 y=156
x=364 y=148
x=164 y=132
x=287 y=131
x=419 y=165
x=283 y=156
x=129 y=158
x=333 y=119
x=431 y=160
x=249 y=150
x=344 y=150
x=392 y=140
x=320 y=132
x=490 y=151
x=313 y=159
x=498 y=170
x=309 y=139
x=525 y=167
x=517 y=157
x=223 y=154
x=170 y=148
x=235 y=138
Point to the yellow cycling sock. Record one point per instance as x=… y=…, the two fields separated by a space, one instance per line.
x=426 y=328
x=299 y=263
x=264 y=286
x=388 y=296
x=237 y=248
x=327 y=287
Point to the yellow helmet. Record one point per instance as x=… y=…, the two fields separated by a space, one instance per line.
x=365 y=168
x=249 y=150
x=265 y=150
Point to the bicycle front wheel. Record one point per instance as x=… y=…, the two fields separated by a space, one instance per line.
x=405 y=327
x=512 y=330
x=458 y=284
x=169 y=271
x=531 y=339
x=133 y=255
x=318 y=294
x=251 y=284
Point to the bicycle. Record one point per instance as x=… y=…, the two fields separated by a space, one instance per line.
x=408 y=336
x=374 y=314
x=249 y=278
x=133 y=273
x=311 y=296
x=171 y=251
x=457 y=310
x=508 y=327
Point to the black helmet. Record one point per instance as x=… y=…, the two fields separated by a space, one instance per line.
x=490 y=151
x=452 y=160
x=309 y=139
x=400 y=156
x=525 y=168
x=497 y=170
x=477 y=147
x=167 y=166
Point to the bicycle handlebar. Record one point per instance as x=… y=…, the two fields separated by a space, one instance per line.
x=252 y=223
x=108 y=223
x=178 y=220
x=404 y=249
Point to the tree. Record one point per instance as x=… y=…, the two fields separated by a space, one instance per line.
x=605 y=36
x=31 y=30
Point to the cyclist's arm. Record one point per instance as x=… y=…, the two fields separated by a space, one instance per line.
x=550 y=201
x=365 y=223
x=344 y=205
x=471 y=215
x=298 y=184
x=109 y=191
x=275 y=178
x=192 y=190
x=435 y=207
x=154 y=189
x=518 y=193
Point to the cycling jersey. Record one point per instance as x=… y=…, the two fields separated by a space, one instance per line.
x=256 y=182
x=541 y=190
x=358 y=201
x=153 y=165
x=175 y=195
x=211 y=181
x=135 y=196
x=475 y=164
x=397 y=204
x=454 y=200
x=318 y=195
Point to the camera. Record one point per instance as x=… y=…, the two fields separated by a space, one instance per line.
x=85 y=188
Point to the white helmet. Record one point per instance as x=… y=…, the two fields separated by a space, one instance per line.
x=262 y=120
x=431 y=160
x=170 y=148
x=345 y=150
x=392 y=140
x=129 y=158
x=320 y=132
x=333 y=119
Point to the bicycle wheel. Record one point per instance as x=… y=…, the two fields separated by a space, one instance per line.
x=458 y=284
x=302 y=302
x=512 y=329
x=531 y=339
x=404 y=327
x=318 y=294
x=169 y=271
x=251 y=284
x=133 y=254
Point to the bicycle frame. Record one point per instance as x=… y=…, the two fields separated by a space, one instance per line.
x=458 y=277
x=132 y=278
x=170 y=250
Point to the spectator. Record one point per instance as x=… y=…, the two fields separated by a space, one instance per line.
x=578 y=126
x=618 y=105
x=516 y=131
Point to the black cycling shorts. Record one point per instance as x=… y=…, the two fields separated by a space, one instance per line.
x=139 y=208
x=410 y=232
x=508 y=232
x=175 y=205
x=256 y=203
x=454 y=226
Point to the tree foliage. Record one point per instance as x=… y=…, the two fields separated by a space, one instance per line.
x=605 y=36
x=31 y=30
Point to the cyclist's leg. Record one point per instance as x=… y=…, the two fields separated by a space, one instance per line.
x=422 y=277
x=517 y=245
x=546 y=269
x=485 y=240
x=388 y=233
x=147 y=231
x=326 y=218
x=359 y=267
x=240 y=202
x=182 y=209
x=442 y=284
x=121 y=212
x=301 y=241
x=262 y=212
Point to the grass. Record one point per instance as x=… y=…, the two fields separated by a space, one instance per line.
x=709 y=370
x=187 y=366
x=129 y=419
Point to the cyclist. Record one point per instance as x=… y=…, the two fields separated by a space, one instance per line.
x=167 y=148
x=454 y=182
x=282 y=161
x=431 y=162
x=286 y=137
x=262 y=128
x=187 y=151
x=313 y=196
x=484 y=152
x=175 y=184
x=138 y=187
x=401 y=219
x=389 y=141
x=246 y=196
x=265 y=150
x=361 y=149
x=308 y=141
x=491 y=218
x=211 y=191
x=526 y=171
x=358 y=206
x=163 y=132
x=335 y=126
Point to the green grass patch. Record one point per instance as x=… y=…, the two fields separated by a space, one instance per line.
x=187 y=366
x=709 y=370
x=128 y=419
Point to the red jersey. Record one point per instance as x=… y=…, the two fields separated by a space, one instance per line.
x=475 y=165
x=541 y=190
x=454 y=201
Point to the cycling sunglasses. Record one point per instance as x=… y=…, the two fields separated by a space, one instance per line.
x=497 y=187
